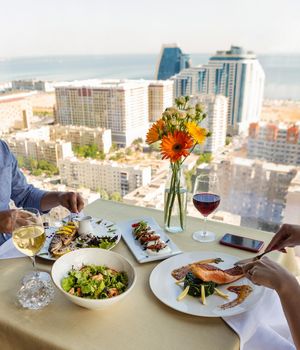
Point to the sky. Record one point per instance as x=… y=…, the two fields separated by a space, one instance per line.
x=63 y=27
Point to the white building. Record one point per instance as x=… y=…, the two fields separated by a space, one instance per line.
x=216 y=107
x=82 y=135
x=160 y=97
x=121 y=106
x=15 y=112
x=107 y=175
x=51 y=151
x=236 y=74
x=31 y=84
x=275 y=143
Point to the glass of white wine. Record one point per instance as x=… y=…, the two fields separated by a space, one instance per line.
x=29 y=237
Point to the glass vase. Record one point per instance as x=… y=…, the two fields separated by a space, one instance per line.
x=175 y=200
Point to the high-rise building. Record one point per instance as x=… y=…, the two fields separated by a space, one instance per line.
x=15 y=112
x=236 y=74
x=160 y=97
x=121 y=106
x=254 y=189
x=171 y=61
x=216 y=107
x=106 y=175
x=275 y=143
x=82 y=135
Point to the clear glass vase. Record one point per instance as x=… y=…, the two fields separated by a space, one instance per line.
x=175 y=200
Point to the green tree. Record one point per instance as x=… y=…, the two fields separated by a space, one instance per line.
x=204 y=158
x=21 y=162
x=128 y=151
x=33 y=164
x=103 y=194
x=116 y=197
x=113 y=147
x=228 y=140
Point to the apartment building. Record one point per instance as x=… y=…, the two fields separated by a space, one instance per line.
x=15 y=112
x=160 y=97
x=118 y=105
x=254 y=189
x=236 y=74
x=277 y=143
x=51 y=151
x=31 y=84
x=82 y=135
x=107 y=175
x=216 y=107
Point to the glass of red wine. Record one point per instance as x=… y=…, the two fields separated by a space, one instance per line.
x=206 y=200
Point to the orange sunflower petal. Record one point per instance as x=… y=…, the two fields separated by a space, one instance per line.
x=177 y=145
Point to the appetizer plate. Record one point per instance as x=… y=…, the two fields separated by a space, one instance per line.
x=166 y=290
x=137 y=249
x=101 y=227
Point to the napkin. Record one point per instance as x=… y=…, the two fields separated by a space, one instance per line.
x=8 y=251
x=263 y=327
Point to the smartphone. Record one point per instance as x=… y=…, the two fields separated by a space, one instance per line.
x=245 y=243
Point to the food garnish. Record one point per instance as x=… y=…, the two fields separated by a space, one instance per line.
x=183 y=293
x=95 y=282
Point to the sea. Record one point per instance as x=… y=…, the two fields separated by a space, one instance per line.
x=282 y=71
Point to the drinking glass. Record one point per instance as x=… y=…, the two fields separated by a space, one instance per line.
x=29 y=237
x=206 y=200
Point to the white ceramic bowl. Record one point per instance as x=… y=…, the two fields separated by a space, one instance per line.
x=94 y=256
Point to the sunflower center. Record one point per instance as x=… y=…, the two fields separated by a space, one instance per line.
x=177 y=147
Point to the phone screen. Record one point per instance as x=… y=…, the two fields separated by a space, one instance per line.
x=242 y=242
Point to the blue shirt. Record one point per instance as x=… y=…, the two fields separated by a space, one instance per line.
x=13 y=184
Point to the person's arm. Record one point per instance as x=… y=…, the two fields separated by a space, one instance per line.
x=70 y=200
x=270 y=274
x=25 y=195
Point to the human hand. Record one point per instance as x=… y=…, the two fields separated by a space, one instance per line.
x=287 y=236
x=267 y=273
x=7 y=218
x=71 y=200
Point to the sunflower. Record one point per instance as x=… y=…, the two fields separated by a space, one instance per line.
x=176 y=145
x=198 y=134
x=155 y=132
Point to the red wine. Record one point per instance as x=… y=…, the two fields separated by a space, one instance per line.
x=206 y=203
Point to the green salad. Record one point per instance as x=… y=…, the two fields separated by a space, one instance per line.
x=95 y=282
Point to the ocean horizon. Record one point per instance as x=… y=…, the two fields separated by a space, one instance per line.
x=282 y=71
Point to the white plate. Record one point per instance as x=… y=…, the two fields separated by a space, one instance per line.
x=135 y=246
x=163 y=286
x=101 y=227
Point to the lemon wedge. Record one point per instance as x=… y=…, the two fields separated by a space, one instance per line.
x=203 y=299
x=183 y=293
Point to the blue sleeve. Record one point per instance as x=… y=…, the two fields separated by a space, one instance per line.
x=23 y=194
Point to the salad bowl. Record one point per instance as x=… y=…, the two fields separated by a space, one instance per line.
x=86 y=257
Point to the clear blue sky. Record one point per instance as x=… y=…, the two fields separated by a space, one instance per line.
x=49 y=27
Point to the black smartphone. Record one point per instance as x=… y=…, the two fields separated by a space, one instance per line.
x=245 y=243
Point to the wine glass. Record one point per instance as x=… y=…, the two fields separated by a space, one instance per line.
x=29 y=237
x=206 y=201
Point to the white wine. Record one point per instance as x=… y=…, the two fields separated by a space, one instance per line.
x=29 y=239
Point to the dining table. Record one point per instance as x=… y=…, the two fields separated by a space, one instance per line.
x=140 y=321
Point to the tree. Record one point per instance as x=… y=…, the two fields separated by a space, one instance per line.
x=21 y=162
x=128 y=151
x=228 y=140
x=116 y=197
x=103 y=194
x=204 y=158
x=113 y=147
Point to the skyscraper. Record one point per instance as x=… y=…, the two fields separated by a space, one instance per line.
x=160 y=97
x=171 y=61
x=121 y=106
x=236 y=74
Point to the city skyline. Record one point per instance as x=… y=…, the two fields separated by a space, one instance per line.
x=132 y=27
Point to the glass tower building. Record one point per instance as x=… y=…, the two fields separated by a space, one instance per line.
x=171 y=61
x=236 y=74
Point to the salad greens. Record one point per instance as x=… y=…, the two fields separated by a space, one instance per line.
x=95 y=282
x=195 y=283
